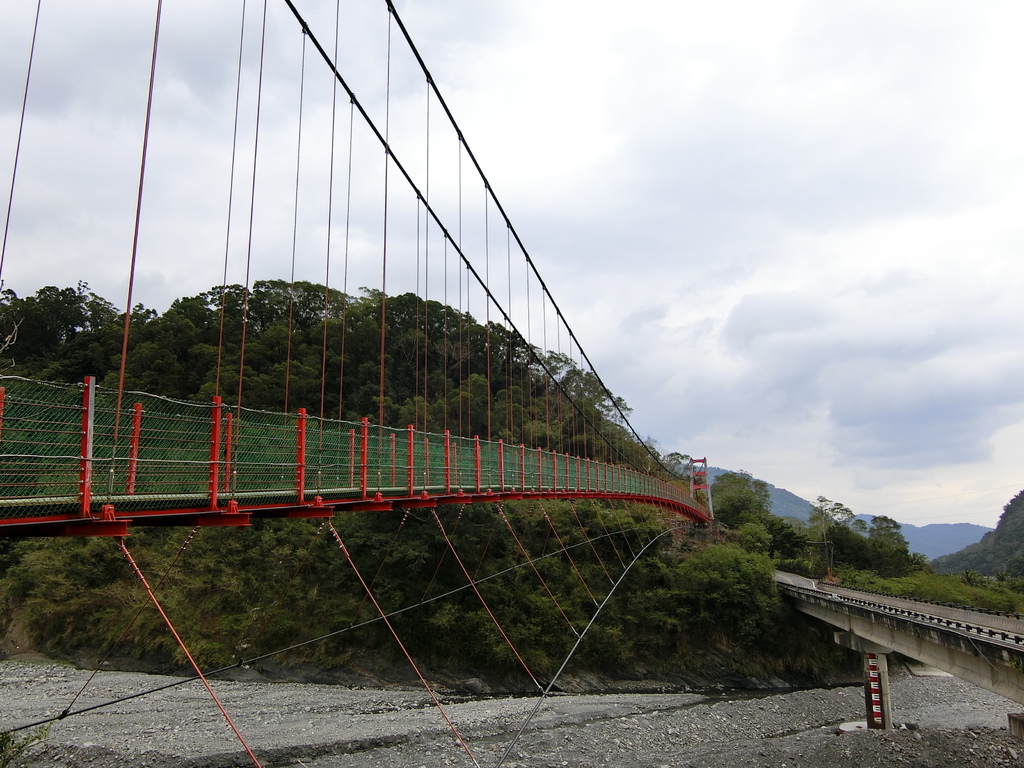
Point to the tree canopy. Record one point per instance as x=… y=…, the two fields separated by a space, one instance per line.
x=307 y=346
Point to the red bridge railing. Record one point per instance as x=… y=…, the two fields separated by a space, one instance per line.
x=72 y=462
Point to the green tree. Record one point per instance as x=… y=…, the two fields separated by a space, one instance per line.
x=728 y=591
x=829 y=520
x=889 y=551
x=740 y=499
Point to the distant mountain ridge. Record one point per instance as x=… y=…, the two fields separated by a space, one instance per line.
x=932 y=540
x=998 y=550
x=937 y=539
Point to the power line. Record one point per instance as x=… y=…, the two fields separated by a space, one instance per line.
x=940 y=498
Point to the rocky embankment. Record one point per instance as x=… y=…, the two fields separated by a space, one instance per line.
x=316 y=726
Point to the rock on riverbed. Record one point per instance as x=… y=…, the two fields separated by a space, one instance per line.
x=317 y=726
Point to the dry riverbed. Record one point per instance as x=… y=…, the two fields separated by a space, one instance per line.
x=319 y=726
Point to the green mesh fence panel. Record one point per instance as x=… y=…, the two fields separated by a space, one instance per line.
x=433 y=463
x=382 y=475
x=571 y=473
x=490 y=479
x=40 y=448
x=464 y=463
x=262 y=466
x=159 y=460
x=332 y=458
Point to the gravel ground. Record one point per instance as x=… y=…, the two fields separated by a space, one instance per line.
x=317 y=726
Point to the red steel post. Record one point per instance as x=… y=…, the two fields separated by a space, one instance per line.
x=3 y=400
x=447 y=461
x=215 y=450
x=364 y=462
x=554 y=471
x=409 y=462
x=567 y=479
x=300 y=458
x=85 y=461
x=540 y=469
x=133 y=450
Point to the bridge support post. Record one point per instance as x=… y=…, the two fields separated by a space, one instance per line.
x=876 y=678
x=214 y=484
x=1016 y=720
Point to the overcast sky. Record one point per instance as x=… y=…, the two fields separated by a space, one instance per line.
x=787 y=233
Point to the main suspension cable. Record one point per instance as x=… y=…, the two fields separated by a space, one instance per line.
x=490 y=191
x=470 y=269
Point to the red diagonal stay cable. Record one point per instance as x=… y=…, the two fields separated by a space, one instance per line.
x=592 y=545
x=380 y=568
x=184 y=649
x=483 y=602
x=444 y=554
x=611 y=539
x=566 y=551
x=408 y=657
x=533 y=565
x=130 y=624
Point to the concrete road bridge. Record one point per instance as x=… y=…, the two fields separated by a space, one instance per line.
x=982 y=647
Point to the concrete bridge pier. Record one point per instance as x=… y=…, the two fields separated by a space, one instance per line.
x=876 y=678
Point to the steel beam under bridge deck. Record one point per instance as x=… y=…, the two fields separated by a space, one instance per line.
x=984 y=649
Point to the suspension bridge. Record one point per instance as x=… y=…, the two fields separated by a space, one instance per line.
x=336 y=189
x=86 y=458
